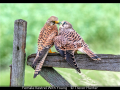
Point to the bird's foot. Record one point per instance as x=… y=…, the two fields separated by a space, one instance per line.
x=50 y=51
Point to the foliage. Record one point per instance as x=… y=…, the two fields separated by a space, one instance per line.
x=98 y=24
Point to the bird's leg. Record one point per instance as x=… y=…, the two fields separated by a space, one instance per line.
x=50 y=51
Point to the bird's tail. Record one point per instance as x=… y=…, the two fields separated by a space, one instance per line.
x=39 y=56
x=89 y=53
x=69 y=57
x=39 y=65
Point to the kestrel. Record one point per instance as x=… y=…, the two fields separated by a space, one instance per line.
x=45 y=42
x=68 y=41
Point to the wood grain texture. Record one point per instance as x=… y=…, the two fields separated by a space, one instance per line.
x=108 y=62
x=19 y=44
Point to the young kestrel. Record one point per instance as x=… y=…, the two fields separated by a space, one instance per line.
x=45 y=42
x=68 y=41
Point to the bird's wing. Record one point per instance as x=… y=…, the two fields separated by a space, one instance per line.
x=58 y=45
x=65 y=51
x=80 y=45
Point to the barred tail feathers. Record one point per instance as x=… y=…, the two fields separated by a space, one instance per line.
x=39 y=56
x=71 y=59
x=39 y=65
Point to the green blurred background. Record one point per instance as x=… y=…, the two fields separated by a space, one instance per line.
x=98 y=24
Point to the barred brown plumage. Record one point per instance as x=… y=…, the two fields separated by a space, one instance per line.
x=68 y=41
x=45 y=42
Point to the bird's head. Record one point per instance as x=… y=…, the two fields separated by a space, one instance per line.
x=52 y=21
x=65 y=24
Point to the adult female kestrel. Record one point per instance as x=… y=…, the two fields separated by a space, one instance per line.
x=45 y=42
x=68 y=41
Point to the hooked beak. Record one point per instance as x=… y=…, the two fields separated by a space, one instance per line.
x=57 y=22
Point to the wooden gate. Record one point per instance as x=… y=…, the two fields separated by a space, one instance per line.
x=109 y=62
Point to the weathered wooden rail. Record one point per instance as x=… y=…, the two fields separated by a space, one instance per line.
x=108 y=62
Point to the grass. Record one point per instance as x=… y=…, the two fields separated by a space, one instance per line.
x=98 y=24
x=87 y=78
x=39 y=81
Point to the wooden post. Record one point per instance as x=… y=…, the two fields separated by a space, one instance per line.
x=19 y=55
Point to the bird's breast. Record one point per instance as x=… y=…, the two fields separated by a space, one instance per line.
x=47 y=34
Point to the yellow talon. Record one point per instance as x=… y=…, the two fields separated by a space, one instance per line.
x=51 y=51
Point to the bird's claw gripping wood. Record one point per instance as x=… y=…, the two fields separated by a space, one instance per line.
x=50 y=51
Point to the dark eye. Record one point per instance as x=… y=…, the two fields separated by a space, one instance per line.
x=63 y=23
x=53 y=22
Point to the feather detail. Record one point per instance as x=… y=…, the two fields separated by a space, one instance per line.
x=89 y=53
x=39 y=65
